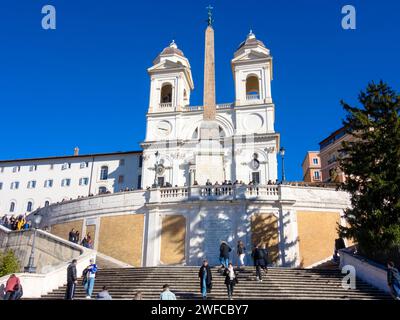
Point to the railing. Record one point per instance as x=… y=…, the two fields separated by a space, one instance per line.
x=200 y=108
x=252 y=96
x=166 y=105
x=215 y=192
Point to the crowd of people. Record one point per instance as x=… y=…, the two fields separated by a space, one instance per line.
x=87 y=241
x=15 y=223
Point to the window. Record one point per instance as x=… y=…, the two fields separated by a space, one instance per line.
x=83 y=181
x=84 y=165
x=161 y=181
x=31 y=184
x=316 y=175
x=66 y=166
x=1 y=169
x=12 y=206
x=14 y=185
x=252 y=87
x=121 y=162
x=16 y=169
x=102 y=190
x=1 y=185
x=166 y=93
x=139 y=181
x=51 y=166
x=140 y=161
x=33 y=167
x=315 y=160
x=104 y=173
x=48 y=183
x=255 y=177
x=46 y=203
x=121 y=179
x=29 y=206
x=65 y=182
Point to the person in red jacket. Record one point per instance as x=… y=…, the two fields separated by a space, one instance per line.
x=13 y=288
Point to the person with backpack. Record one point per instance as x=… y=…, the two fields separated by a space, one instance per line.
x=72 y=280
x=13 y=288
x=393 y=280
x=224 y=250
x=89 y=275
x=205 y=277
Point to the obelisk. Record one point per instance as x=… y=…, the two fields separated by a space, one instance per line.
x=209 y=76
x=209 y=154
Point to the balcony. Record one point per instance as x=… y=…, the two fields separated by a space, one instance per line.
x=165 y=105
x=214 y=193
x=252 y=97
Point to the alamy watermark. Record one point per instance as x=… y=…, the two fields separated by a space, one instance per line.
x=349 y=21
x=349 y=280
x=49 y=20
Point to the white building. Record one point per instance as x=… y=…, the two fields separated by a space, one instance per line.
x=27 y=184
x=248 y=139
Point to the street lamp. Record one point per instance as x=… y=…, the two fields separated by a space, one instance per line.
x=30 y=268
x=155 y=169
x=282 y=153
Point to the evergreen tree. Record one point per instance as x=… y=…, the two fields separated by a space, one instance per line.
x=371 y=163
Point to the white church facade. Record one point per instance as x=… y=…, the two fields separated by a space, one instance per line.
x=179 y=211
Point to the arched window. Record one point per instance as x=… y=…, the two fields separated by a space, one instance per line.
x=46 y=203
x=166 y=93
x=252 y=88
x=29 y=206
x=102 y=190
x=12 y=206
x=104 y=173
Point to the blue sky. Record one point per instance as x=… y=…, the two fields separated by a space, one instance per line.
x=85 y=84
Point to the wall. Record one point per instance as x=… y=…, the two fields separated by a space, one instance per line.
x=317 y=234
x=121 y=237
x=264 y=231
x=173 y=234
x=62 y=229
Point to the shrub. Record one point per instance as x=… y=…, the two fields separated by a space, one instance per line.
x=8 y=263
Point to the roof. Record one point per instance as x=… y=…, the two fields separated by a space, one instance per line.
x=73 y=157
x=332 y=137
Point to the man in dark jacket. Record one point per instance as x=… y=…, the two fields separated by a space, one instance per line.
x=393 y=280
x=224 y=250
x=205 y=277
x=72 y=280
x=259 y=261
x=72 y=235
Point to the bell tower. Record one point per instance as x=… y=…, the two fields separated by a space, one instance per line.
x=252 y=72
x=171 y=81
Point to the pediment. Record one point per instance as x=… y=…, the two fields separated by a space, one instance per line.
x=251 y=55
x=166 y=64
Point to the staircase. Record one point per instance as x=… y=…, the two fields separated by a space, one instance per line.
x=279 y=283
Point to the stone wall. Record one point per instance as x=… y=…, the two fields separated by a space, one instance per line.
x=316 y=235
x=121 y=237
x=264 y=231
x=173 y=236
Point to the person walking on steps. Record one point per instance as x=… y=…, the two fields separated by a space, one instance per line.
x=224 y=250
x=89 y=275
x=205 y=277
x=230 y=280
x=166 y=294
x=241 y=253
x=259 y=262
x=72 y=280
x=393 y=280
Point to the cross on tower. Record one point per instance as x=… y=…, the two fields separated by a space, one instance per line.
x=210 y=20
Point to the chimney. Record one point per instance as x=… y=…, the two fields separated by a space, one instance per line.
x=76 y=151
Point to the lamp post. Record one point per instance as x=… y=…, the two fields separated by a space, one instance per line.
x=282 y=153
x=30 y=268
x=155 y=170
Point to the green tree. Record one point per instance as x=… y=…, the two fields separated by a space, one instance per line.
x=8 y=263
x=371 y=162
